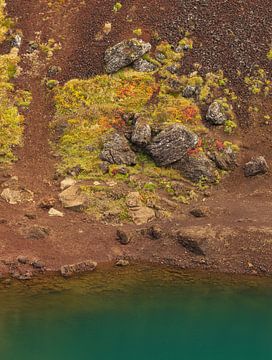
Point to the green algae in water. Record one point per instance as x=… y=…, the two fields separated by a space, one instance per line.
x=137 y=313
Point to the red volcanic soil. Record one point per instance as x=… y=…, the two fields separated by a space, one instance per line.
x=228 y=34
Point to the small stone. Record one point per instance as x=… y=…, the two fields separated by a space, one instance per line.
x=122 y=263
x=15 y=197
x=53 y=70
x=216 y=114
x=55 y=213
x=47 y=203
x=190 y=244
x=123 y=236
x=199 y=212
x=22 y=276
x=134 y=200
x=37 y=232
x=37 y=264
x=104 y=166
x=257 y=166
x=107 y=28
x=142 y=65
x=189 y=91
x=155 y=232
x=67 y=182
x=30 y=216
x=23 y=259
x=73 y=198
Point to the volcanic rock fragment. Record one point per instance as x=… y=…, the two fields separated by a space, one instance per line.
x=117 y=150
x=256 y=166
x=216 y=114
x=124 y=54
x=172 y=144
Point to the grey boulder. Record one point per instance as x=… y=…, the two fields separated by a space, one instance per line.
x=124 y=54
x=116 y=150
x=256 y=166
x=172 y=144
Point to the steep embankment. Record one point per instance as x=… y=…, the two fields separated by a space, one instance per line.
x=236 y=234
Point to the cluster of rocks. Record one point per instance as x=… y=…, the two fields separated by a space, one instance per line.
x=169 y=148
x=23 y=268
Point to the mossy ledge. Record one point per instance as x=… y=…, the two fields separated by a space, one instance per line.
x=88 y=111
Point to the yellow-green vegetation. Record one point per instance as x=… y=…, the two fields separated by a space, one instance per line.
x=137 y=32
x=259 y=83
x=11 y=121
x=269 y=54
x=87 y=111
x=117 y=6
x=5 y=22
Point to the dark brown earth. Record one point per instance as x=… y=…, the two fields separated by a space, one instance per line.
x=228 y=34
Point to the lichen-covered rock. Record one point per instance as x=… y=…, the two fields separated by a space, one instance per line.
x=116 y=150
x=124 y=54
x=172 y=144
x=216 y=114
x=196 y=168
x=142 y=65
x=85 y=266
x=141 y=134
x=73 y=198
x=256 y=166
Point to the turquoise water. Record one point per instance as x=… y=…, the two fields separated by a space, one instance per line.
x=137 y=314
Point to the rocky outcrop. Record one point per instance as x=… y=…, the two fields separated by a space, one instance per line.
x=196 y=168
x=117 y=150
x=85 y=266
x=124 y=54
x=73 y=198
x=141 y=134
x=256 y=166
x=216 y=114
x=171 y=145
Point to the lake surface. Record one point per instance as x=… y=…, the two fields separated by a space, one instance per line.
x=137 y=313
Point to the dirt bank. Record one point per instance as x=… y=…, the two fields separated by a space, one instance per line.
x=230 y=35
